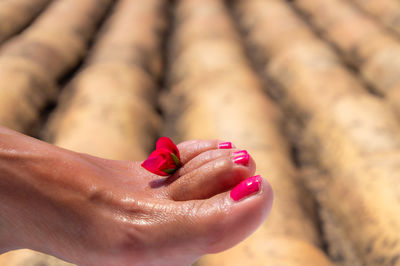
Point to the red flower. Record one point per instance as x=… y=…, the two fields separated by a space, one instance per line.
x=165 y=160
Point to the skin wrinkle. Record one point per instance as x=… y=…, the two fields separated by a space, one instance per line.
x=215 y=223
x=136 y=228
x=205 y=158
x=151 y=219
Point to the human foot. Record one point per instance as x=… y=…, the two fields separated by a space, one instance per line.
x=92 y=211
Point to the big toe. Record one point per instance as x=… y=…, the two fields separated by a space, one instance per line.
x=244 y=208
x=220 y=222
x=211 y=173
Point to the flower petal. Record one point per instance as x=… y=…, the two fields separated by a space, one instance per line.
x=166 y=143
x=165 y=160
x=158 y=161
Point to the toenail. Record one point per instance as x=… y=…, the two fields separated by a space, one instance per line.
x=246 y=188
x=240 y=152
x=242 y=158
x=225 y=145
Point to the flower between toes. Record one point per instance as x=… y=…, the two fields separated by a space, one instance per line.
x=165 y=160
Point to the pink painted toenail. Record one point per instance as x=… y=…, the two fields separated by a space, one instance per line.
x=242 y=158
x=225 y=145
x=247 y=187
x=240 y=152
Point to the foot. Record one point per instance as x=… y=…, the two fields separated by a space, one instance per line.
x=93 y=211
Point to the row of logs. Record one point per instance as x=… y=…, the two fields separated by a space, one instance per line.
x=364 y=43
x=108 y=108
x=214 y=93
x=353 y=136
x=32 y=62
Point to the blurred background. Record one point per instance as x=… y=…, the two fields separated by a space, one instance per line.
x=311 y=88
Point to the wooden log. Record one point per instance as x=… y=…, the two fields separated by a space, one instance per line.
x=31 y=63
x=355 y=139
x=23 y=96
x=386 y=12
x=201 y=27
x=368 y=47
x=112 y=96
x=62 y=32
x=134 y=45
x=288 y=31
x=102 y=113
x=15 y=15
x=363 y=172
x=343 y=25
x=215 y=94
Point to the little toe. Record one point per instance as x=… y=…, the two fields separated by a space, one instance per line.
x=213 y=177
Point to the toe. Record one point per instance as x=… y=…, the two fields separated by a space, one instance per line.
x=201 y=160
x=218 y=223
x=190 y=149
x=236 y=220
x=217 y=175
x=182 y=231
